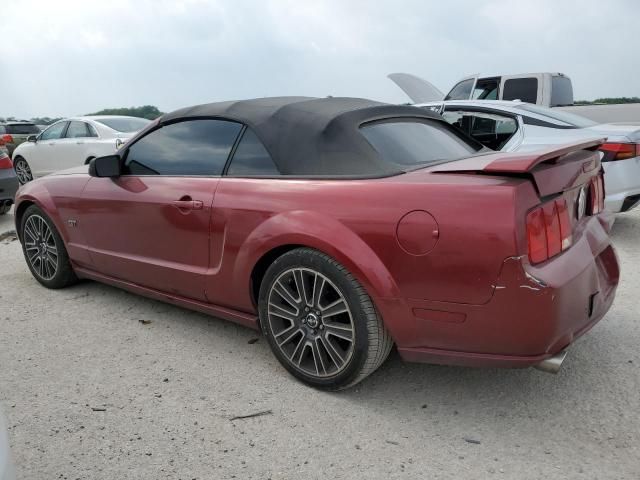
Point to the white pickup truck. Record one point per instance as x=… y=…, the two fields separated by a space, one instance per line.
x=549 y=89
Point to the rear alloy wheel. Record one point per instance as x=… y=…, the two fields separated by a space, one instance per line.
x=319 y=321
x=23 y=171
x=44 y=250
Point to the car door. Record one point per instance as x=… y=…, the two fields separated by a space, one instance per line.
x=71 y=150
x=151 y=225
x=44 y=156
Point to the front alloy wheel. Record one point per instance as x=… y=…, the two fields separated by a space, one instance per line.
x=23 y=171
x=44 y=249
x=40 y=247
x=319 y=321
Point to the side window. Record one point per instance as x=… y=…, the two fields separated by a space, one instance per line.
x=92 y=131
x=490 y=129
x=54 y=132
x=251 y=158
x=486 y=89
x=192 y=147
x=523 y=89
x=462 y=91
x=76 y=130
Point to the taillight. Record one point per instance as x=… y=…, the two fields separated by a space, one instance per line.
x=6 y=139
x=548 y=230
x=619 y=151
x=5 y=162
x=596 y=195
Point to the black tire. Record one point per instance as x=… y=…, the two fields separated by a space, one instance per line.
x=4 y=208
x=322 y=350
x=55 y=270
x=22 y=169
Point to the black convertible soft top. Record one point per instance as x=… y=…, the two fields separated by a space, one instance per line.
x=312 y=136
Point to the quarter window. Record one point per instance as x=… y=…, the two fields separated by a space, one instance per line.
x=193 y=147
x=54 y=132
x=251 y=158
x=76 y=130
x=92 y=131
x=523 y=89
x=490 y=129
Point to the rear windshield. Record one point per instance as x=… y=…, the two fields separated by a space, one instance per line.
x=561 y=91
x=125 y=125
x=21 y=128
x=411 y=143
x=558 y=115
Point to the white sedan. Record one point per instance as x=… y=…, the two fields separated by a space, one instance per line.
x=523 y=127
x=72 y=142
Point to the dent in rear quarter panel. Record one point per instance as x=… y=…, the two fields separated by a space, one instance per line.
x=60 y=198
x=478 y=227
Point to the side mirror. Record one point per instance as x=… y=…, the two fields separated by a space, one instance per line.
x=108 y=166
x=32 y=138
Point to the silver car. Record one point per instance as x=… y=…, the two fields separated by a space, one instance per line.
x=513 y=126
x=7 y=471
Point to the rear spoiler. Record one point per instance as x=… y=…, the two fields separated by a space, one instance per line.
x=525 y=162
x=552 y=175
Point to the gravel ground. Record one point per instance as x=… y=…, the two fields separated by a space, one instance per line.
x=92 y=392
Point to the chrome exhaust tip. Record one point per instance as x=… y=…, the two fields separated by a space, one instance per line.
x=552 y=364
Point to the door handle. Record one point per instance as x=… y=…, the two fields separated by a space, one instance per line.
x=187 y=204
x=79 y=143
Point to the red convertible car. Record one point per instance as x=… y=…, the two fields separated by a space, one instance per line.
x=340 y=227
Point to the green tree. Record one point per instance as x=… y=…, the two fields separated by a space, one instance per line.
x=150 y=112
x=609 y=101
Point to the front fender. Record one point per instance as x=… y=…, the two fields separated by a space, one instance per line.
x=36 y=192
x=323 y=233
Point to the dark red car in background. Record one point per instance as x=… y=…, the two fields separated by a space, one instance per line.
x=339 y=227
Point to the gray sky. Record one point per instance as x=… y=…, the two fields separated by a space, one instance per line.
x=68 y=57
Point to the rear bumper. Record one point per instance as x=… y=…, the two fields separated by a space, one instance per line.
x=534 y=313
x=622 y=184
x=8 y=185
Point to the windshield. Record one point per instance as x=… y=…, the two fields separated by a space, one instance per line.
x=559 y=115
x=124 y=124
x=411 y=143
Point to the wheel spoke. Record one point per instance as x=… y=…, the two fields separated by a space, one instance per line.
x=278 y=311
x=318 y=286
x=317 y=357
x=290 y=337
x=344 y=332
x=286 y=295
x=335 y=308
x=299 y=279
x=301 y=343
x=30 y=230
x=335 y=356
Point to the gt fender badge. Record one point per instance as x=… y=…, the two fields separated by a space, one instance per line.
x=72 y=222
